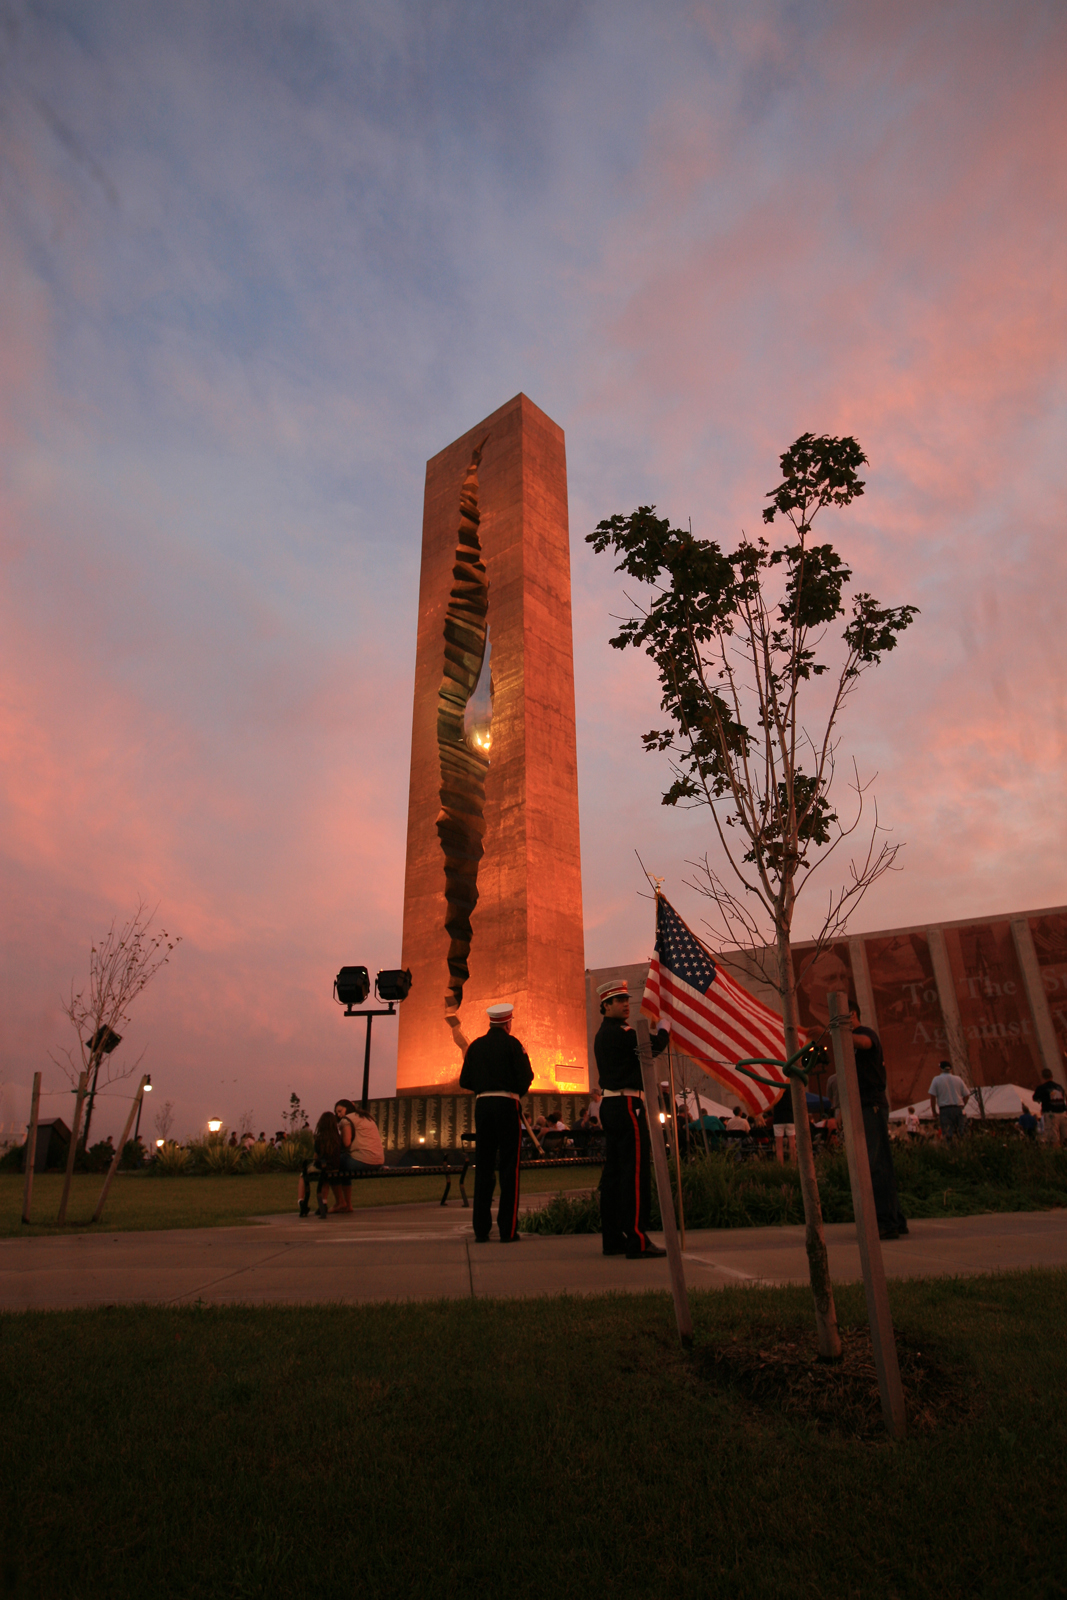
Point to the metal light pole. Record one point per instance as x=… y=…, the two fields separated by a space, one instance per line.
x=140 y=1103
x=370 y=1016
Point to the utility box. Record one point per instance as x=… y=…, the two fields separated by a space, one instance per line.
x=53 y=1141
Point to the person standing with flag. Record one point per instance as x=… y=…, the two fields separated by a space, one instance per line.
x=624 y=1187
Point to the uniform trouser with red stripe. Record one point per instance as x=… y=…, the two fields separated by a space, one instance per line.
x=624 y=1187
x=498 y=1127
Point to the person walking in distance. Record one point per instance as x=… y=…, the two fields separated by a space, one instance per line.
x=948 y=1096
x=497 y=1071
x=870 y=1075
x=1053 y=1102
x=624 y=1186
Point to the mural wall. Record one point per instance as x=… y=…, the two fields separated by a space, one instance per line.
x=991 y=997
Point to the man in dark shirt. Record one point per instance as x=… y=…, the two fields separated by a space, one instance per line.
x=497 y=1071
x=624 y=1186
x=1053 y=1102
x=870 y=1074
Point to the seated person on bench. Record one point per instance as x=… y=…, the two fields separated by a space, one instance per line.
x=362 y=1143
x=329 y=1154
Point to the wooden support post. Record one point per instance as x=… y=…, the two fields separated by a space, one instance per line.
x=117 y=1157
x=31 y=1147
x=859 y=1172
x=663 y=1186
x=74 y=1132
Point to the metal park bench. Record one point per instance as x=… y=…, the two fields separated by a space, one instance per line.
x=326 y=1177
x=434 y=1169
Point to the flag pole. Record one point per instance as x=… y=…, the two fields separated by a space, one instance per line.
x=677 y=1145
x=700 y=1119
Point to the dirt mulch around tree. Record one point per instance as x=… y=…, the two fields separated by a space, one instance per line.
x=782 y=1374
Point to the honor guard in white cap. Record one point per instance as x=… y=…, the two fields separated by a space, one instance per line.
x=497 y=1071
x=624 y=1186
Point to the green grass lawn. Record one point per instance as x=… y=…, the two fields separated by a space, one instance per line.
x=139 y=1201
x=556 y=1447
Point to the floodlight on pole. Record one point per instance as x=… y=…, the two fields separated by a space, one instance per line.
x=393 y=985
x=104 y=1040
x=351 y=988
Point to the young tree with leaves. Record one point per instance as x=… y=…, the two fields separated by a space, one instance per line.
x=120 y=966
x=758 y=651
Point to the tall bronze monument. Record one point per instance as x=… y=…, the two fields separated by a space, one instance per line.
x=493 y=890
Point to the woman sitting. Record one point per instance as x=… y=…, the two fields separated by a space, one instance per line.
x=329 y=1157
x=362 y=1146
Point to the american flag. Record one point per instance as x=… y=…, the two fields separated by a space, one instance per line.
x=710 y=1016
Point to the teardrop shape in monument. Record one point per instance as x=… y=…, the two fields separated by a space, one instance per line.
x=478 y=712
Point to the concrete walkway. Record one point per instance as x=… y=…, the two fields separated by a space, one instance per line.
x=421 y=1252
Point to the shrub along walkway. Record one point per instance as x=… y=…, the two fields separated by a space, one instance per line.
x=421 y=1252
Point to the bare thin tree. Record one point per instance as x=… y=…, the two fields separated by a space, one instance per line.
x=164 y=1119
x=120 y=965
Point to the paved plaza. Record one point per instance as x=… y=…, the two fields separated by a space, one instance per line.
x=424 y=1252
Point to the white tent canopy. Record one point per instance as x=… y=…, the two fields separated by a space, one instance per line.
x=708 y=1108
x=999 y=1099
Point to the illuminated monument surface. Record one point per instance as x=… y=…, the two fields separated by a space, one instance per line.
x=493 y=892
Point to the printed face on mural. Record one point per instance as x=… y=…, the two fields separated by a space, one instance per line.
x=829 y=973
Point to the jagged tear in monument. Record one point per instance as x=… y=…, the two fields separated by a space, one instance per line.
x=493 y=797
x=463 y=740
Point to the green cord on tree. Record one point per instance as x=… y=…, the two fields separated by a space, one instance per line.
x=790 y=1067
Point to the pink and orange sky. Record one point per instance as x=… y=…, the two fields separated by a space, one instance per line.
x=260 y=261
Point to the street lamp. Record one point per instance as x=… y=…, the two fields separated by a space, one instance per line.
x=351 y=988
x=214 y=1125
x=140 y=1106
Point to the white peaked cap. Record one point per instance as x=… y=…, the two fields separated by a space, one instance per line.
x=499 y=1013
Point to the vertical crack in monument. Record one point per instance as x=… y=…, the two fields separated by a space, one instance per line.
x=464 y=718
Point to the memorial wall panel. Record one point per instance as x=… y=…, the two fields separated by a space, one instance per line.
x=909 y=1020
x=1050 y=945
x=997 y=1025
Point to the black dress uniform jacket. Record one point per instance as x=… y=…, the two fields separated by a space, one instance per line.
x=617 y=1061
x=494 y=1063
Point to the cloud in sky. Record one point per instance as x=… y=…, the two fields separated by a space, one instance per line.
x=261 y=261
